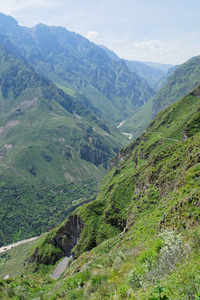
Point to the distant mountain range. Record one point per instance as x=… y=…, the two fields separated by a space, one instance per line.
x=148 y=71
x=45 y=133
x=48 y=141
x=183 y=80
x=74 y=63
x=178 y=83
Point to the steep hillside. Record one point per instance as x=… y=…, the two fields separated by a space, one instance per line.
x=142 y=231
x=43 y=128
x=71 y=61
x=178 y=82
x=144 y=71
x=47 y=141
x=183 y=80
x=161 y=82
x=151 y=75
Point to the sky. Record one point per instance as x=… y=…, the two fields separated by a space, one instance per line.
x=156 y=30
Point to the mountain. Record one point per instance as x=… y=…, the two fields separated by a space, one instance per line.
x=141 y=117
x=157 y=66
x=110 y=53
x=39 y=118
x=146 y=172
x=183 y=80
x=146 y=72
x=48 y=142
x=161 y=81
x=140 y=237
x=150 y=72
x=107 y=87
x=177 y=83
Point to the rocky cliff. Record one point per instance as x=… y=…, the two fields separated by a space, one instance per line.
x=67 y=236
x=59 y=244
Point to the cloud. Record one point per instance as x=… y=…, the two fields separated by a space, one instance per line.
x=9 y=6
x=92 y=35
x=154 y=46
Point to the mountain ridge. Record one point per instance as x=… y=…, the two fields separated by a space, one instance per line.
x=72 y=61
x=148 y=71
x=184 y=79
x=48 y=141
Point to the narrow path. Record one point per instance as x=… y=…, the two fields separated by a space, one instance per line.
x=8 y=247
x=60 y=268
x=168 y=138
x=162 y=137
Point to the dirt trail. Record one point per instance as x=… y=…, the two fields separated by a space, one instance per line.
x=60 y=268
x=8 y=247
x=162 y=137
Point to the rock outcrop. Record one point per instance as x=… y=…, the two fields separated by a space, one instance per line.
x=67 y=235
x=59 y=244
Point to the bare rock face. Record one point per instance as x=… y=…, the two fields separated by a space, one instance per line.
x=61 y=244
x=67 y=235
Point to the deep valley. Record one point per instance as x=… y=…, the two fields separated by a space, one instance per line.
x=100 y=159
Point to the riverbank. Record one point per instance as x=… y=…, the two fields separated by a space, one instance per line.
x=8 y=247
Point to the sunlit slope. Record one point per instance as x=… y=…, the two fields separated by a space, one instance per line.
x=184 y=79
x=161 y=166
x=45 y=133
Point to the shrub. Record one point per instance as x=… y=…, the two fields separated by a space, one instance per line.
x=157 y=293
x=171 y=252
x=135 y=279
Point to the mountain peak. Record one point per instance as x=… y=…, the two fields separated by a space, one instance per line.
x=7 y=22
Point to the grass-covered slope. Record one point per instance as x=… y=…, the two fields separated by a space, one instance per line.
x=140 y=238
x=45 y=133
x=49 y=145
x=181 y=80
x=184 y=79
x=159 y=164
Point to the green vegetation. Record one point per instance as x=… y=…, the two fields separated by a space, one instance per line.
x=80 y=67
x=53 y=151
x=140 y=238
x=28 y=211
x=183 y=80
x=45 y=133
x=165 y=267
x=12 y=261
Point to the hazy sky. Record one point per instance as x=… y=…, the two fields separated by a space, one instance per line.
x=156 y=30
